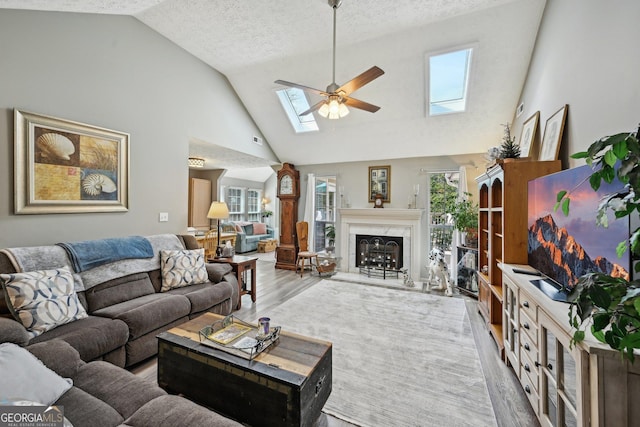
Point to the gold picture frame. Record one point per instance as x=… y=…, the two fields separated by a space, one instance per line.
x=380 y=183
x=553 y=130
x=528 y=136
x=61 y=166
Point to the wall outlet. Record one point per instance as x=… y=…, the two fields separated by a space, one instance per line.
x=163 y=217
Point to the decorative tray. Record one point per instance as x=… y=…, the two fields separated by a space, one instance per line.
x=237 y=337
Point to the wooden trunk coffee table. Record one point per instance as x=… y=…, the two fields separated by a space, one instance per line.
x=286 y=385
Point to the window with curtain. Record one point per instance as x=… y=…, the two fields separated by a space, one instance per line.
x=443 y=193
x=325 y=212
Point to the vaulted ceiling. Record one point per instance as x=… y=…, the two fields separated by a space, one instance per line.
x=256 y=42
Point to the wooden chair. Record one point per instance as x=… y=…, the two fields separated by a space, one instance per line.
x=210 y=243
x=302 y=231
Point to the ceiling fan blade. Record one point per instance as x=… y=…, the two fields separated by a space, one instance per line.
x=356 y=103
x=305 y=88
x=361 y=80
x=314 y=107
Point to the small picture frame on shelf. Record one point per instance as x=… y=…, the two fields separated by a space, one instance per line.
x=553 y=135
x=528 y=136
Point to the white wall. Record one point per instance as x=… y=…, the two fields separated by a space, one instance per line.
x=113 y=72
x=587 y=56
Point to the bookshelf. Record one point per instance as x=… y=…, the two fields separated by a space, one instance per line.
x=502 y=225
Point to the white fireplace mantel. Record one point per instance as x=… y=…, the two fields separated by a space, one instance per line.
x=381 y=222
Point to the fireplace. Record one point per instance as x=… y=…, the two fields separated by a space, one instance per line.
x=399 y=223
x=379 y=255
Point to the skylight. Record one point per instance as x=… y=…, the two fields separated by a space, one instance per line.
x=448 y=81
x=294 y=102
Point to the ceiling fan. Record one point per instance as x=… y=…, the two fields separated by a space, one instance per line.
x=334 y=106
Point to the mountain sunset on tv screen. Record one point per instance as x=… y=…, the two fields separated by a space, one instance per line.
x=567 y=247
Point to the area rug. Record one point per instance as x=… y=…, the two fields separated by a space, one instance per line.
x=399 y=358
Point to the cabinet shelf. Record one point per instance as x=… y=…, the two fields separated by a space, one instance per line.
x=503 y=219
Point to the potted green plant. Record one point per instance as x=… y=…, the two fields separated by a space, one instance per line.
x=464 y=214
x=330 y=233
x=610 y=305
x=509 y=149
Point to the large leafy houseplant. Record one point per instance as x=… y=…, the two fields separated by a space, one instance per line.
x=464 y=214
x=610 y=304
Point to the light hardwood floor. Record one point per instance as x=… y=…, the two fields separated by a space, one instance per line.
x=275 y=286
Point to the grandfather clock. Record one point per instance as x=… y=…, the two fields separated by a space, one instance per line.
x=288 y=193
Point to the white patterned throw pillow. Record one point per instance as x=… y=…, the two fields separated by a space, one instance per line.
x=182 y=268
x=42 y=300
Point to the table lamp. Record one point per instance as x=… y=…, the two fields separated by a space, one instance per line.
x=218 y=210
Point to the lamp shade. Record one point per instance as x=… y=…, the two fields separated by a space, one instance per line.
x=218 y=210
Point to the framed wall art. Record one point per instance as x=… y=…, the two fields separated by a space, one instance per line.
x=528 y=136
x=61 y=166
x=553 y=135
x=380 y=183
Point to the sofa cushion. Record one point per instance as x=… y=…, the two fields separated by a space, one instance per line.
x=92 y=336
x=182 y=268
x=204 y=296
x=12 y=331
x=248 y=229
x=43 y=299
x=24 y=377
x=118 y=290
x=176 y=411
x=217 y=271
x=58 y=356
x=115 y=386
x=83 y=409
x=148 y=312
x=259 y=228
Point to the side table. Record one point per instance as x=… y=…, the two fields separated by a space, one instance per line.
x=241 y=264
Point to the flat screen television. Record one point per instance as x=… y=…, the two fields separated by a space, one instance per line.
x=563 y=248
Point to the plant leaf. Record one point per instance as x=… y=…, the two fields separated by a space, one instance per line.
x=601 y=321
x=565 y=206
x=560 y=195
x=600 y=297
x=610 y=158
x=594 y=180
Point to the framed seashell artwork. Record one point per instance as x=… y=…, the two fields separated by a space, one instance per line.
x=62 y=166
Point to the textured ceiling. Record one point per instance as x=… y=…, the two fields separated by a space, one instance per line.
x=256 y=42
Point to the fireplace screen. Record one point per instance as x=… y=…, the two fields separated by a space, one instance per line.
x=379 y=255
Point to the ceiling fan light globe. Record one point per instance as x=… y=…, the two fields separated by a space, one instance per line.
x=324 y=110
x=343 y=110
x=334 y=106
x=334 y=115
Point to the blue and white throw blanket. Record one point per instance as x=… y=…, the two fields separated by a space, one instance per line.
x=93 y=253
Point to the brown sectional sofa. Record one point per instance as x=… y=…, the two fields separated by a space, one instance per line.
x=127 y=312
x=104 y=395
